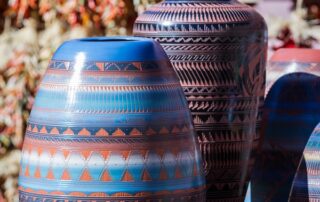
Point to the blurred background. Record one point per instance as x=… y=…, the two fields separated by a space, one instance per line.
x=31 y=30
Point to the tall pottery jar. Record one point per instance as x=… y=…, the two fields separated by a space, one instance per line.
x=218 y=50
x=110 y=123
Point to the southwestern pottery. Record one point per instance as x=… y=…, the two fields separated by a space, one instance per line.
x=110 y=123
x=291 y=112
x=218 y=50
x=306 y=186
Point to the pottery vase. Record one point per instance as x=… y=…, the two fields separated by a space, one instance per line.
x=218 y=50
x=291 y=112
x=110 y=123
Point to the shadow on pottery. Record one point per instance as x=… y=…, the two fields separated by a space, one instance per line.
x=110 y=123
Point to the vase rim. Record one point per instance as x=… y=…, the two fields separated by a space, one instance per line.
x=296 y=55
x=111 y=49
x=112 y=39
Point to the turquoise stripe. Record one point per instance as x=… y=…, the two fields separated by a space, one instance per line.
x=114 y=120
x=127 y=101
x=114 y=80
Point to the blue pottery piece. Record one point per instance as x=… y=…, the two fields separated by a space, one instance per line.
x=291 y=111
x=110 y=123
x=306 y=186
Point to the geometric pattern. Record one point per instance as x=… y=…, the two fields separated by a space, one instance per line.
x=44 y=196
x=108 y=66
x=113 y=132
x=218 y=50
x=60 y=159
x=137 y=165
x=43 y=130
x=104 y=164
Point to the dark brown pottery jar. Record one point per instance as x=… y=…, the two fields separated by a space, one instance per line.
x=218 y=50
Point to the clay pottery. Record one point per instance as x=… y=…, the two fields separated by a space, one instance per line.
x=218 y=50
x=110 y=123
x=291 y=112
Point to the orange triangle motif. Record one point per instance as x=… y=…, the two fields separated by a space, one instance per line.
x=50 y=175
x=42 y=192
x=86 y=154
x=85 y=176
x=68 y=132
x=52 y=151
x=125 y=154
x=84 y=132
x=178 y=173
x=102 y=132
x=135 y=132
x=39 y=150
x=105 y=176
x=118 y=132
x=164 y=131
x=160 y=152
x=146 y=176
x=150 y=131
x=185 y=129
x=175 y=130
x=65 y=153
x=175 y=151
x=35 y=129
x=163 y=174
x=43 y=130
x=137 y=65
x=54 y=131
x=127 y=177
x=57 y=193
x=27 y=173
x=105 y=154
x=98 y=194
x=65 y=175
x=37 y=174
x=144 y=153
x=100 y=65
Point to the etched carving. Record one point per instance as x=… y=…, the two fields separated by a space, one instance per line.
x=218 y=50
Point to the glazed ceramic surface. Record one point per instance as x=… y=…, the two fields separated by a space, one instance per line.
x=218 y=50
x=306 y=185
x=110 y=123
x=292 y=110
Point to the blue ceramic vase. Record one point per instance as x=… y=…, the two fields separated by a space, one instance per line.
x=110 y=123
